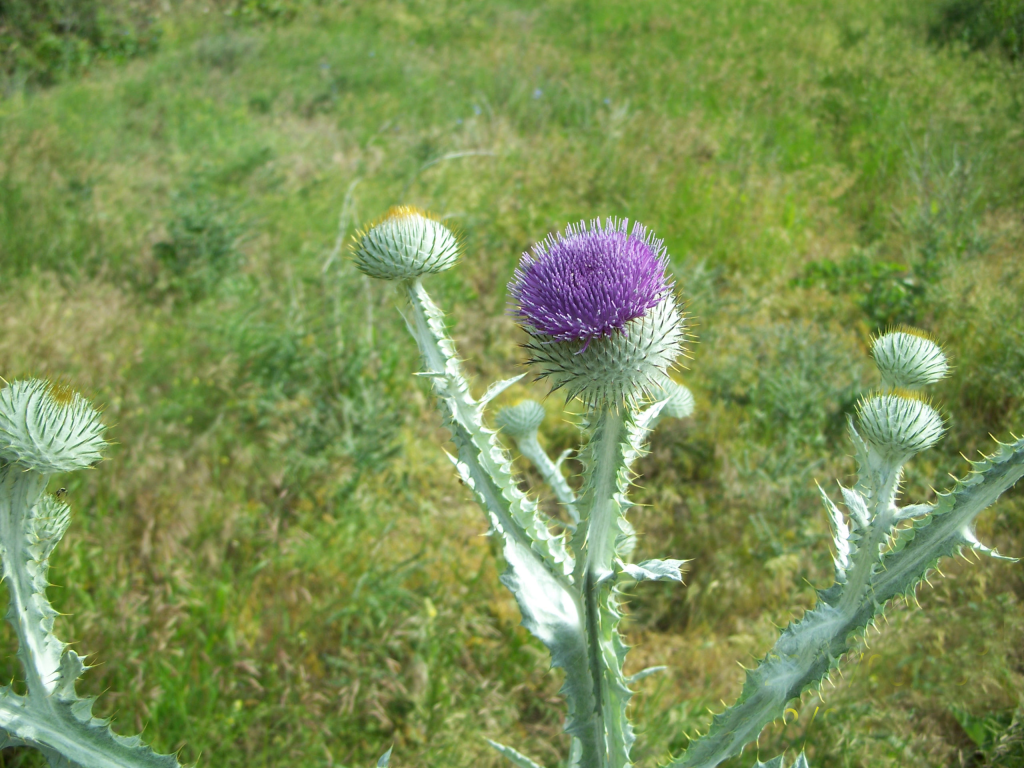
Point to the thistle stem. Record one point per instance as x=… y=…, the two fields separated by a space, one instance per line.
x=859 y=577
x=600 y=513
x=39 y=652
x=598 y=532
x=530 y=447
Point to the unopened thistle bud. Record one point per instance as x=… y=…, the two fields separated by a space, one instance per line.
x=599 y=310
x=898 y=425
x=403 y=244
x=520 y=420
x=48 y=428
x=908 y=359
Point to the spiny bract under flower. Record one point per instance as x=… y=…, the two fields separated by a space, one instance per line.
x=48 y=428
x=616 y=369
x=898 y=425
x=589 y=282
x=520 y=420
x=599 y=309
x=404 y=244
x=908 y=359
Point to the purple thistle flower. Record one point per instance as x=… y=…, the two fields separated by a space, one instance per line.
x=589 y=282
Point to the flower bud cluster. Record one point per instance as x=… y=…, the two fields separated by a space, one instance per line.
x=908 y=359
x=897 y=422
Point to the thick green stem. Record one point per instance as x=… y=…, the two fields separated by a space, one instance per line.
x=593 y=630
x=38 y=650
x=869 y=554
x=530 y=447
x=601 y=511
x=50 y=717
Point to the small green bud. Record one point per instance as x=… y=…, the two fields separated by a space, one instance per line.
x=898 y=425
x=908 y=359
x=520 y=420
x=405 y=243
x=48 y=428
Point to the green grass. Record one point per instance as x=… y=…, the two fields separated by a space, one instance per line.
x=278 y=567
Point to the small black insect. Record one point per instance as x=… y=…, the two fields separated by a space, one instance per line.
x=61 y=493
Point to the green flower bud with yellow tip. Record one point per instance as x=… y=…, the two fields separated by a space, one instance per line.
x=405 y=243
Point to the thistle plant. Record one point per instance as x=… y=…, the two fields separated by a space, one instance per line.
x=46 y=429
x=604 y=327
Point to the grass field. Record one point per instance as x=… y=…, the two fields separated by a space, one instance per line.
x=277 y=566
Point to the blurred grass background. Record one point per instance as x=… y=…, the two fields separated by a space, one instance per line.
x=278 y=567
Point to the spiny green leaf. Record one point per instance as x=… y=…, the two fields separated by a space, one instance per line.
x=777 y=762
x=840 y=537
x=67 y=733
x=51 y=717
x=539 y=565
x=643 y=673
x=654 y=570
x=616 y=441
x=465 y=418
x=516 y=758
x=807 y=649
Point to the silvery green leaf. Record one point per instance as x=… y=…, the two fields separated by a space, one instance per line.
x=654 y=570
x=385 y=759
x=777 y=762
x=840 y=537
x=539 y=566
x=643 y=673
x=679 y=403
x=563 y=456
x=809 y=648
x=617 y=440
x=464 y=416
x=498 y=387
x=516 y=758
x=912 y=510
x=550 y=609
x=31 y=524
x=857 y=506
x=67 y=733
x=51 y=717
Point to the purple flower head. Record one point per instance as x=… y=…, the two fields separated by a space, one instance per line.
x=589 y=282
